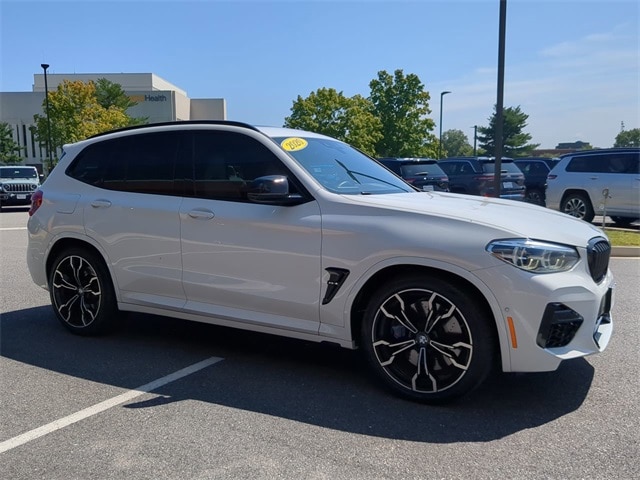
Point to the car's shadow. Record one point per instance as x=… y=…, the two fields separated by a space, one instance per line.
x=301 y=381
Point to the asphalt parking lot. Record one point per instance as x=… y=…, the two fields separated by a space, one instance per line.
x=164 y=399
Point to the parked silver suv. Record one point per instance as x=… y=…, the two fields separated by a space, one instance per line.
x=597 y=182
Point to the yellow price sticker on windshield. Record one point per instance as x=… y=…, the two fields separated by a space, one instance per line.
x=293 y=144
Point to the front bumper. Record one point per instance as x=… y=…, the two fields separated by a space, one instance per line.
x=15 y=198
x=552 y=317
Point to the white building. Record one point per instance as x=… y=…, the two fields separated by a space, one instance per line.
x=157 y=99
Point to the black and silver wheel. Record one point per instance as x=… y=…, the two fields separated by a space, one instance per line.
x=81 y=292
x=426 y=339
x=577 y=205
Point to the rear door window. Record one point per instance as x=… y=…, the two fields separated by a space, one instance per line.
x=143 y=163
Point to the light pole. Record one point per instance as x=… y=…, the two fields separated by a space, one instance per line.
x=46 y=100
x=442 y=94
x=475 y=140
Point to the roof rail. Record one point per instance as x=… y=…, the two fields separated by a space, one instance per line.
x=178 y=122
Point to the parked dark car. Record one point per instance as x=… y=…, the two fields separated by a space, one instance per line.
x=475 y=176
x=422 y=173
x=535 y=171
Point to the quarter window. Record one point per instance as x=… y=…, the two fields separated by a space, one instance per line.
x=138 y=163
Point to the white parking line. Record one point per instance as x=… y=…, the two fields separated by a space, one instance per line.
x=2 y=229
x=102 y=406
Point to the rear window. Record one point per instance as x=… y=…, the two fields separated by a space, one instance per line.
x=421 y=169
x=509 y=167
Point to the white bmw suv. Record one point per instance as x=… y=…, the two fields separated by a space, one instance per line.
x=297 y=234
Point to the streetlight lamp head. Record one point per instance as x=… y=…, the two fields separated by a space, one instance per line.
x=44 y=65
x=445 y=92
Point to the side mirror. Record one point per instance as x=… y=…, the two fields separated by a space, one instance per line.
x=273 y=190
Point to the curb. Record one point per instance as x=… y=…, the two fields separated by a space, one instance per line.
x=625 y=252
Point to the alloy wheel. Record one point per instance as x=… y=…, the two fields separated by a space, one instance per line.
x=421 y=340
x=575 y=207
x=76 y=291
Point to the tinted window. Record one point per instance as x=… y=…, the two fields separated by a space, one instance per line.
x=457 y=168
x=510 y=167
x=533 y=168
x=419 y=169
x=225 y=164
x=143 y=163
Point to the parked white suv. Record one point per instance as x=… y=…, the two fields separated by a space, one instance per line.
x=298 y=234
x=17 y=184
x=597 y=182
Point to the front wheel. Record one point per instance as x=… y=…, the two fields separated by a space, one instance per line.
x=426 y=340
x=81 y=292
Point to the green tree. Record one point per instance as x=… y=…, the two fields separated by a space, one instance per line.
x=110 y=94
x=329 y=112
x=514 y=140
x=402 y=105
x=628 y=138
x=75 y=114
x=455 y=143
x=9 y=148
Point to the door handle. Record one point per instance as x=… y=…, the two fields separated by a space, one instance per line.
x=202 y=214
x=101 y=204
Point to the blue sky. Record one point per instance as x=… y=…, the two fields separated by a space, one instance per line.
x=572 y=66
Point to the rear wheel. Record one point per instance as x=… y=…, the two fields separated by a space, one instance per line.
x=534 y=196
x=426 y=340
x=82 y=293
x=578 y=205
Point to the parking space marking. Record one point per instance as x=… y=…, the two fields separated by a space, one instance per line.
x=102 y=406
x=4 y=229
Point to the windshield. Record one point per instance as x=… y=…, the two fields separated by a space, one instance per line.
x=341 y=168
x=17 y=172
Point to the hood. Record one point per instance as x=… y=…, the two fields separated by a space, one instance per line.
x=516 y=219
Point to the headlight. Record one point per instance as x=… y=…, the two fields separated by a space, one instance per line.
x=534 y=256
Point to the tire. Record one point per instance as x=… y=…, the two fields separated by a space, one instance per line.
x=427 y=340
x=534 y=196
x=82 y=293
x=623 y=221
x=577 y=205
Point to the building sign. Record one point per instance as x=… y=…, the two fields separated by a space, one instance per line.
x=148 y=98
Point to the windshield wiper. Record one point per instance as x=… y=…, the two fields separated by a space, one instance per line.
x=353 y=173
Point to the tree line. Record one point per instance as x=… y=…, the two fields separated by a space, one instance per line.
x=392 y=121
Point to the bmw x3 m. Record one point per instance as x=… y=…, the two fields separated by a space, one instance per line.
x=297 y=234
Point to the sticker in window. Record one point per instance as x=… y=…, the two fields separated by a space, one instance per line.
x=293 y=144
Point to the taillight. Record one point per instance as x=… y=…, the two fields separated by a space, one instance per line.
x=36 y=201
